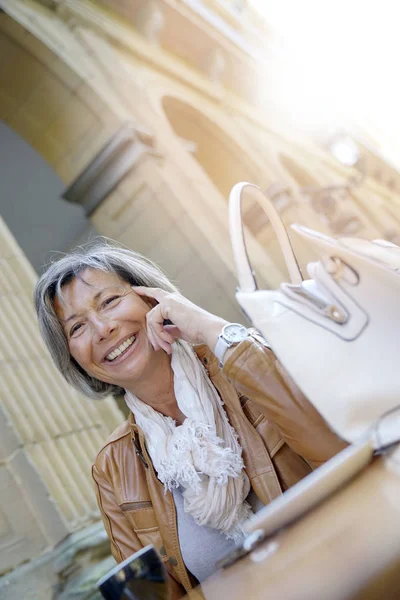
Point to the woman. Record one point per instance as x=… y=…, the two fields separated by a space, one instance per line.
x=217 y=428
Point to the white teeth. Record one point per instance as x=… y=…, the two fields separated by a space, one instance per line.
x=117 y=351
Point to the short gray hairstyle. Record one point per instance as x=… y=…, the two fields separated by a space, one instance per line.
x=103 y=256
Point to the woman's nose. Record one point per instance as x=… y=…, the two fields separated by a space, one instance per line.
x=102 y=327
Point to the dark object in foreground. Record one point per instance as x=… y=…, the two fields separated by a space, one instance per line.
x=141 y=576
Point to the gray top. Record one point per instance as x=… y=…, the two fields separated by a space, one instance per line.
x=202 y=546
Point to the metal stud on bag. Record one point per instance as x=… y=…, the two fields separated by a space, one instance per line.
x=332 y=312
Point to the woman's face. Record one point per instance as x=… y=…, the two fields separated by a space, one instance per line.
x=105 y=325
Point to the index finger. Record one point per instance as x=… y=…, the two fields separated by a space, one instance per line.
x=155 y=293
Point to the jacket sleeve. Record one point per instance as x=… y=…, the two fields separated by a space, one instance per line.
x=123 y=539
x=255 y=372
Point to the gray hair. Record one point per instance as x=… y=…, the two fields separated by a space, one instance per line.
x=101 y=255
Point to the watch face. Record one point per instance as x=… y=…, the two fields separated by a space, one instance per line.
x=235 y=333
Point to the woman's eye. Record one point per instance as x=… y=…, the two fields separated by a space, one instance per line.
x=110 y=300
x=75 y=329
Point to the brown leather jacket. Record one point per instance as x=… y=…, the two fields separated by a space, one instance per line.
x=282 y=436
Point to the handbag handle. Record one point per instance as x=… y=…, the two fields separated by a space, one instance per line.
x=247 y=282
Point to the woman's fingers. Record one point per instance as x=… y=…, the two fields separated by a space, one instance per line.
x=175 y=308
x=155 y=293
x=173 y=330
x=190 y=322
x=158 y=336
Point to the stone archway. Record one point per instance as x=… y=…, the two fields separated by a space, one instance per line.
x=221 y=158
x=48 y=104
x=51 y=127
x=225 y=163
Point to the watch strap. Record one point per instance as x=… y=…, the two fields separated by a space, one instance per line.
x=221 y=347
x=223 y=343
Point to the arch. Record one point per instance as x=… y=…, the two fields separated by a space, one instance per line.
x=54 y=123
x=220 y=157
x=47 y=103
x=32 y=101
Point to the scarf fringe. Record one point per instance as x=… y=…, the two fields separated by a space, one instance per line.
x=195 y=453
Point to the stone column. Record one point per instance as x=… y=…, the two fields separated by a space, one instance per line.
x=49 y=434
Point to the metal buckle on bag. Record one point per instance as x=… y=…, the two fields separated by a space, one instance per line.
x=331 y=311
x=334 y=313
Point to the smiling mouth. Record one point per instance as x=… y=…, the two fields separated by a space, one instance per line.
x=122 y=348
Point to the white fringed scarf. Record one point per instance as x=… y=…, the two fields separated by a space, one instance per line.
x=203 y=455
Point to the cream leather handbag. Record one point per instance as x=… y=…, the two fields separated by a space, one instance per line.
x=337 y=333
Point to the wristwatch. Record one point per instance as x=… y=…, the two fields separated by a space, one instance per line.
x=231 y=335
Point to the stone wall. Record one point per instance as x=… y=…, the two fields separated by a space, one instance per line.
x=49 y=434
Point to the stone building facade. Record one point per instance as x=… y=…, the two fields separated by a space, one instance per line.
x=148 y=111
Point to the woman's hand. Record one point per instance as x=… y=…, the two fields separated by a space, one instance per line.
x=190 y=322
